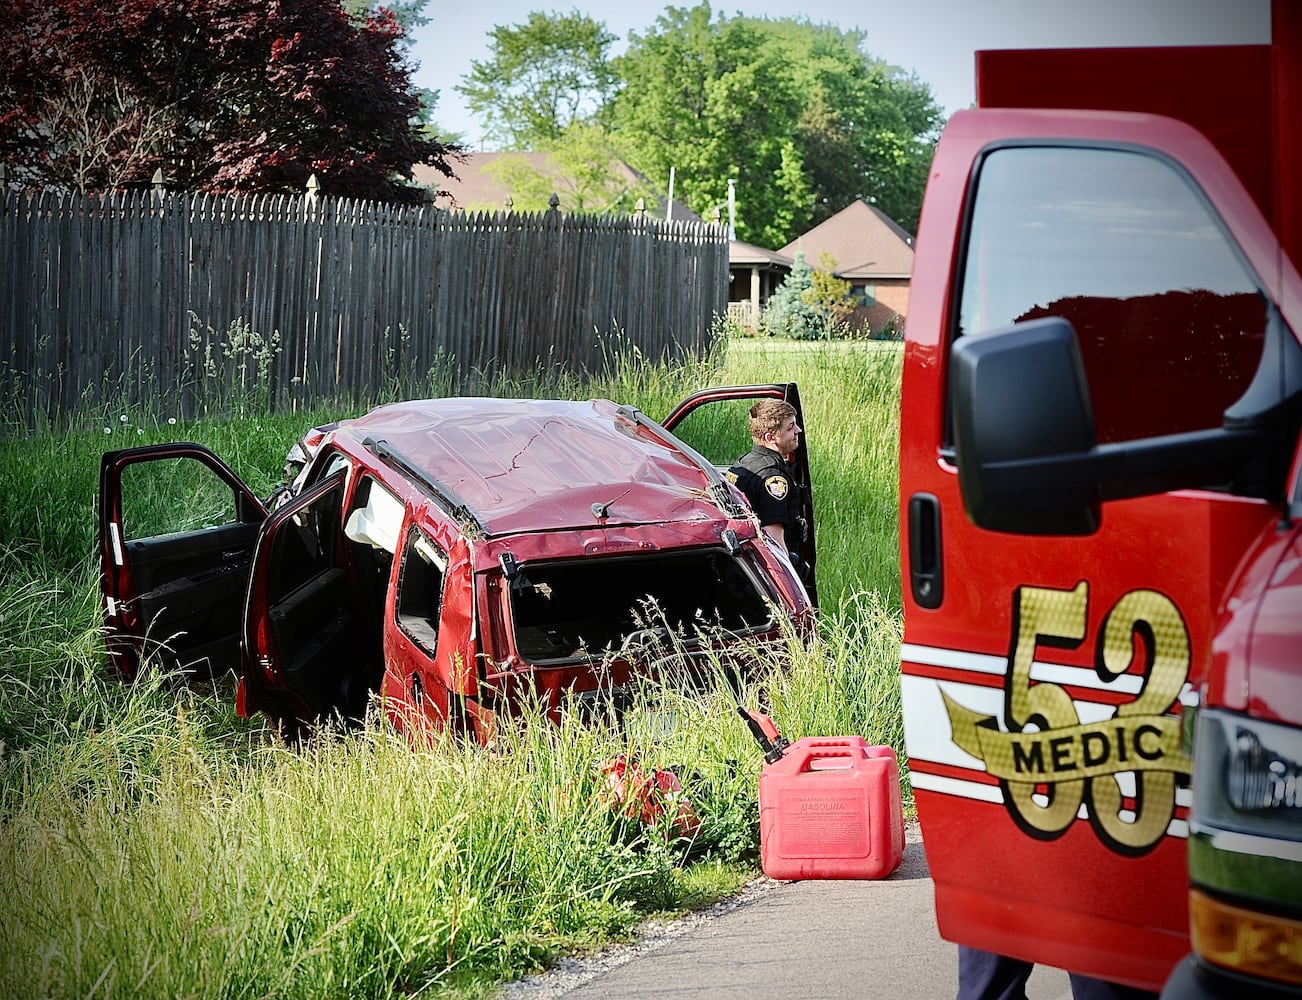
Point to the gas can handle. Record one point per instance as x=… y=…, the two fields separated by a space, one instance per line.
x=808 y=753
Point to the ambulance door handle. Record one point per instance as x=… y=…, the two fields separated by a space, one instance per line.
x=926 y=567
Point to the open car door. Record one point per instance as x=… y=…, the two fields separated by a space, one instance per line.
x=177 y=528
x=715 y=423
x=311 y=650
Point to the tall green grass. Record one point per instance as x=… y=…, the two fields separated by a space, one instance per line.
x=153 y=844
x=146 y=856
x=850 y=395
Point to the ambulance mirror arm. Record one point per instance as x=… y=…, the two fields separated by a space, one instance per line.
x=1024 y=442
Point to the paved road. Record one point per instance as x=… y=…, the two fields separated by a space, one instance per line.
x=789 y=941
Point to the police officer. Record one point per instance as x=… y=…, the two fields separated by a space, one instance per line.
x=766 y=479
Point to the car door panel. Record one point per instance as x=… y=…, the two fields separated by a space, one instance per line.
x=316 y=631
x=714 y=423
x=1045 y=685
x=174 y=597
x=302 y=636
x=196 y=612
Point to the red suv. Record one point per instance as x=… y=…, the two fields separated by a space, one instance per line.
x=449 y=555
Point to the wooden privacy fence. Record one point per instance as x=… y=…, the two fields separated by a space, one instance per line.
x=193 y=301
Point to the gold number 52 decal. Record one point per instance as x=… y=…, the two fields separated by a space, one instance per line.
x=1047 y=747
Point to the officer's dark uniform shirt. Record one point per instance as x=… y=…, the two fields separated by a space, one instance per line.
x=767 y=481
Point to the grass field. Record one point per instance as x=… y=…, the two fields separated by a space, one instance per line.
x=155 y=845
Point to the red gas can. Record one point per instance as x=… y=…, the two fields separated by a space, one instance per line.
x=830 y=808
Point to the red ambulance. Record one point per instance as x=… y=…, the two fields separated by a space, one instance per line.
x=1101 y=515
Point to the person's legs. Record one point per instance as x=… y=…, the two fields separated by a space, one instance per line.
x=983 y=975
x=1085 y=988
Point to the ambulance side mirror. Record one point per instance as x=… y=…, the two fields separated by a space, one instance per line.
x=1021 y=415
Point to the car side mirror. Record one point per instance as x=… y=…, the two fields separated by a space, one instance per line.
x=1017 y=395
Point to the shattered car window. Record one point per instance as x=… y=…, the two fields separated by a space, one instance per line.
x=420 y=590
x=585 y=608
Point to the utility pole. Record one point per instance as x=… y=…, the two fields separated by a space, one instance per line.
x=732 y=208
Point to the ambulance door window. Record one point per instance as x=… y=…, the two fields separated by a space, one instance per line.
x=1120 y=243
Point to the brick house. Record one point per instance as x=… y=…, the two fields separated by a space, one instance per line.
x=871 y=252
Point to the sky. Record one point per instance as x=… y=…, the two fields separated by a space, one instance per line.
x=934 y=39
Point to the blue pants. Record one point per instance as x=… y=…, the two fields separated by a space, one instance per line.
x=983 y=975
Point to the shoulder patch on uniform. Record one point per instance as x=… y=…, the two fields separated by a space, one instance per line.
x=776 y=486
x=731 y=477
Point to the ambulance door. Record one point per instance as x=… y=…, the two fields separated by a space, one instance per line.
x=1044 y=675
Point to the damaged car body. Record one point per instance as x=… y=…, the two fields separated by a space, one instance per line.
x=454 y=557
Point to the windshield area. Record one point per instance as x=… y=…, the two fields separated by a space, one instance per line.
x=586 y=608
x=1123 y=246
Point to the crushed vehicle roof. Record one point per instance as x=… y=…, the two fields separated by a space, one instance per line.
x=538 y=465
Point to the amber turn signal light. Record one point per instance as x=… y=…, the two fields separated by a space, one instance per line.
x=1251 y=943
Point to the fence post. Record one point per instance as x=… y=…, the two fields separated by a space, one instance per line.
x=313 y=186
x=160 y=187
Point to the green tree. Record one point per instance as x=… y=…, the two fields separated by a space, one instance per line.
x=798 y=114
x=789 y=313
x=541 y=77
x=867 y=129
x=828 y=295
x=410 y=14
x=710 y=99
x=582 y=169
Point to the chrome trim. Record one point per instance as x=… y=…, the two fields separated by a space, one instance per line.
x=1248 y=844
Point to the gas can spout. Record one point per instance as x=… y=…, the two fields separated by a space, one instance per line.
x=766 y=734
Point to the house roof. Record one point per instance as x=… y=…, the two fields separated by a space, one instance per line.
x=477 y=188
x=865 y=243
x=749 y=255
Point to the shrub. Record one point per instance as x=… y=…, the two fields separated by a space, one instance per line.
x=788 y=314
x=892 y=329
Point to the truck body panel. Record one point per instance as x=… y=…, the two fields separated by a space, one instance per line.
x=1146 y=208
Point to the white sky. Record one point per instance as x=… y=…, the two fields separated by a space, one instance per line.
x=933 y=38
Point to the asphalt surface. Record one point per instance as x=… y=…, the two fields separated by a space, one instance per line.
x=788 y=941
